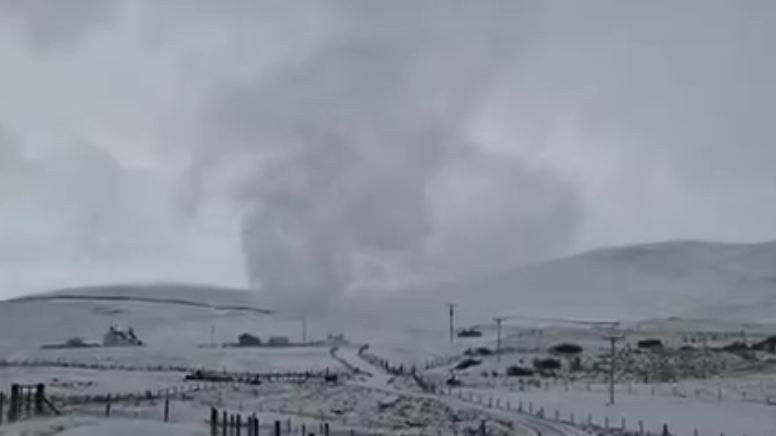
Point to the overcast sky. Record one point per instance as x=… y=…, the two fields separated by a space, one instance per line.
x=322 y=145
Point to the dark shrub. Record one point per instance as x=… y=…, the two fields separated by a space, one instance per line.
x=736 y=346
x=518 y=371
x=469 y=333
x=568 y=349
x=453 y=382
x=467 y=363
x=650 y=344
x=768 y=345
x=484 y=351
x=548 y=364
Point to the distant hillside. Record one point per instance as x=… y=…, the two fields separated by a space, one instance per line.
x=161 y=293
x=684 y=278
x=161 y=314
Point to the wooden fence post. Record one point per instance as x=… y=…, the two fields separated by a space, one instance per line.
x=225 y=424
x=40 y=396
x=255 y=425
x=213 y=421
x=13 y=408
x=326 y=429
x=2 y=406
x=238 y=423
x=277 y=428
x=167 y=409
x=304 y=429
x=107 y=406
x=28 y=402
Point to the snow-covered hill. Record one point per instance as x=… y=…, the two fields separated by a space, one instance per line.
x=162 y=315
x=689 y=280
x=732 y=282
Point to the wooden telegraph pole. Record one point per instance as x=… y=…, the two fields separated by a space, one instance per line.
x=451 y=307
x=613 y=339
x=499 y=320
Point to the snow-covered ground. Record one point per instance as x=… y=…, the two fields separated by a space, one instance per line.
x=682 y=415
x=411 y=329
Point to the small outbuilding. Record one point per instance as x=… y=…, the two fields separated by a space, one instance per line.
x=279 y=341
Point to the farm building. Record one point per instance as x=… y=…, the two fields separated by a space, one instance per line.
x=248 y=340
x=116 y=337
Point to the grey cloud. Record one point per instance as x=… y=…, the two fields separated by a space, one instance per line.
x=350 y=125
x=372 y=130
x=50 y=24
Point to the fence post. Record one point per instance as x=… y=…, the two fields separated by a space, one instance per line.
x=225 y=424
x=277 y=428
x=238 y=423
x=641 y=428
x=2 y=404
x=255 y=425
x=13 y=408
x=288 y=425
x=28 y=402
x=326 y=429
x=606 y=422
x=213 y=421
x=624 y=425
x=304 y=429
x=40 y=396
x=107 y=405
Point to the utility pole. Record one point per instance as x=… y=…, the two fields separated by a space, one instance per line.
x=451 y=307
x=613 y=339
x=499 y=320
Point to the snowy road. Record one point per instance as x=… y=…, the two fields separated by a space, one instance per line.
x=531 y=425
x=377 y=377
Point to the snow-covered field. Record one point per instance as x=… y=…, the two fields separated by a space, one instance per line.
x=734 y=394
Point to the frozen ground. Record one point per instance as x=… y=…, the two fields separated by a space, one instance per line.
x=226 y=359
x=683 y=415
x=412 y=329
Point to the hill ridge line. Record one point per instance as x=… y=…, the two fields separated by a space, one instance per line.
x=140 y=299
